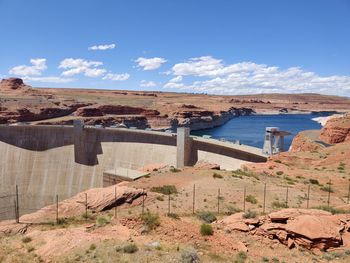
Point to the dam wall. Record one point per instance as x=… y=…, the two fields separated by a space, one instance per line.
x=45 y=161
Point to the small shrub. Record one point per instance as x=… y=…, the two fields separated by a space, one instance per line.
x=92 y=247
x=279 y=172
x=251 y=199
x=232 y=210
x=278 y=161
x=26 y=239
x=327 y=188
x=150 y=220
x=207 y=217
x=265 y=259
x=332 y=209
x=173 y=215
x=250 y=214
x=190 y=256
x=241 y=257
x=314 y=181
x=278 y=204
x=160 y=198
x=206 y=230
x=30 y=249
x=165 y=189
x=102 y=221
x=217 y=176
x=240 y=172
x=174 y=170
x=130 y=248
x=61 y=221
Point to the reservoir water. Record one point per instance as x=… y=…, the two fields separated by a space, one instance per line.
x=250 y=130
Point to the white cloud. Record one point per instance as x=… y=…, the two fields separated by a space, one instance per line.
x=117 y=77
x=148 y=84
x=49 y=79
x=150 y=63
x=249 y=77
x=81 y=66
x=38 y=66
x=176 y=79
x=102 y=47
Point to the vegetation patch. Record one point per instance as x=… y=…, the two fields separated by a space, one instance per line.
x=241 y=257
x=26 y=239
x=242 y=173
x=207 y=217
x=190 y=256
x=250 y=214
x=206 y=230
x=251 y=199
x=332 y=209
x=232 y=210
x=127 y=248
x=314 y=181
x=165 y=189
x=150 y=220
x=174 y=170
x=102 y=221
x=279 y=172
x=173 y=215
x=217 y=176
x=278 y=204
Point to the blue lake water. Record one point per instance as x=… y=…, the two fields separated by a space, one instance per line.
x=250 y=130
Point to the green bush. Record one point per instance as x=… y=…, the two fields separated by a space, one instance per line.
x=206 y=230
x=241 y=257
x=240 y=172
x=232 y=210
x=130 y=248
x=165 y=189
x=332 y=209
x=174 y=170
x=151 y=220
x=173 y=215
x=327 y=188
x=26 y=239
x=207 y=217
x=217 y=176
x=314 y=181
x=102 y=221
x=250 y=214
x=190 y=256
x=92 y=247
x=251 y=199
x=278 y=204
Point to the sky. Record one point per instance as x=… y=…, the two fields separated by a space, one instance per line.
x=215 y=47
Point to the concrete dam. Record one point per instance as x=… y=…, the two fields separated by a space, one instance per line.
x=45 y=161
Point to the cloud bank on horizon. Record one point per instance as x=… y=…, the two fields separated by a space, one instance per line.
x=204 y=74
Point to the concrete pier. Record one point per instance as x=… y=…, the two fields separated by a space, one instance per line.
x=183 y=145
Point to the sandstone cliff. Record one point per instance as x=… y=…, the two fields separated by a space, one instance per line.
x=336 y=130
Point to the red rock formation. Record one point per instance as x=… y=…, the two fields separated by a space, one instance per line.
x=336 y=130
x=103 y=110
x=301 y=143
x=12 y=84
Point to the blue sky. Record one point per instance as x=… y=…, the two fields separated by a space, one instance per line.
x=220 y=47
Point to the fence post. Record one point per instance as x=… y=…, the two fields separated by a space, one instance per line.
x=17 y=205
x=219 y=201
x=287 y=197
x=86 y=207
x=264 y=198
x=244 y=193
x=194 y=198
x=143 y=203
x=115 y=202
x=308 y=196
x=57 y=209
x=169 y=203
x=329 y=192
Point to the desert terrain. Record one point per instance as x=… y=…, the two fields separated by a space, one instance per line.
x=157 y=110
x=293 y=208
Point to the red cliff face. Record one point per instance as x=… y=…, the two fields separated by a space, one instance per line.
x=12 y=84
x=104 y=110
x=336 y=130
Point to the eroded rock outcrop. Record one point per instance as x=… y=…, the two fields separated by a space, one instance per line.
x=103 y=110
x=336 y=130
x=309 y=228
x=12 y=84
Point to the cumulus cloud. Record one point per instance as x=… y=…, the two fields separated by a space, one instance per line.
x=150 y=63
x=116 y=77
x=147 y=84
x=102 y=47
x=50 y=79
x=37 y=67
x=81 y=66
x=248 y=77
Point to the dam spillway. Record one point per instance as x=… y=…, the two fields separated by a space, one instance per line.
x=45 y=161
